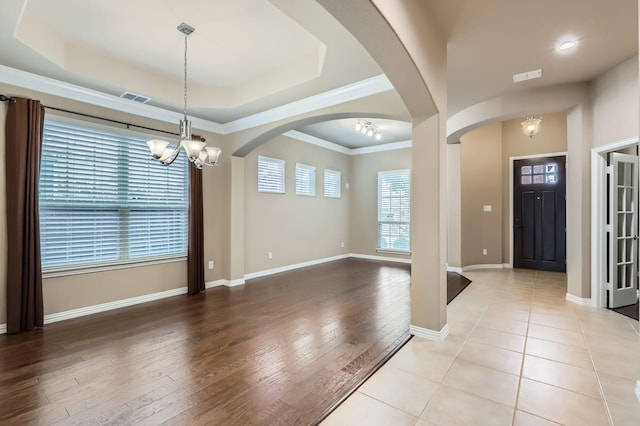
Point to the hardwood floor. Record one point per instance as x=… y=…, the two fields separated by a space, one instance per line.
x=279 y=350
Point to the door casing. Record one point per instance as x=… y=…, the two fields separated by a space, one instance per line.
x=599 y=219
x=511 y=161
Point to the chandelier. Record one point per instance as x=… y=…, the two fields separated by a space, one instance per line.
x=368 y=128
x=531 y=125
x=199 y=154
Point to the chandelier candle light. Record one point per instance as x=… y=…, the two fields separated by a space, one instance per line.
x=531 y=125
x=199 y=154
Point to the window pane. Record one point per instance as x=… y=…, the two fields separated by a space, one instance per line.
x=305 y=180
x=95 y=185
x=394 y=210
x=270 y=175
x=332 y=183
x=77 y=236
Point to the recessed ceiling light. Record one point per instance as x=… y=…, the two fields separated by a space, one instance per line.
x=566 y=45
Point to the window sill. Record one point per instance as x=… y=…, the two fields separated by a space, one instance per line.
x=392 y=251
x=88 y=269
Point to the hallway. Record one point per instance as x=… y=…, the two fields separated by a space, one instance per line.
x=517 y=353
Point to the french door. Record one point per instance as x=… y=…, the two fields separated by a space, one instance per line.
x=623 y=230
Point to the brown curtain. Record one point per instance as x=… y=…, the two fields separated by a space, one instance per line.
x=195 y=266
x=23 y=131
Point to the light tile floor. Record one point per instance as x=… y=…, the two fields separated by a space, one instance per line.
x=517 y=354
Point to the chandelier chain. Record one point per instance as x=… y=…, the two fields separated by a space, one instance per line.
x=185 y=76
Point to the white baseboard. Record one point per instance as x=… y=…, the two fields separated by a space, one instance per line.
x=317 y=262
x=638 y=389
x=3 y=328
x=217 y=283
x=293 y=266
x=586 y=301
x=430 y=334
x=483 y=266
x=226 y=283
x=80 y=312
x=235 y=283
x=507 y=266
x=381 y=258
x=454 y=269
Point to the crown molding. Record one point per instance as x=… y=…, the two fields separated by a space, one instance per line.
x=350 y=92
x=50 y=86
x=381 y=148
x=304 y=137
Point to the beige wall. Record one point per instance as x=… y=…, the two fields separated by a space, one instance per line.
x=363 y=229
x=481 y=184
x=454 y=208
x=294 y=228
x=83 y=290
x=615 y=103
x=485 y=154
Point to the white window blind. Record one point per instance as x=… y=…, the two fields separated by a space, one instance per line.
x=305 y=180
x=270 y=175
x=332 y=183
x=394 y=210
x=103 y=199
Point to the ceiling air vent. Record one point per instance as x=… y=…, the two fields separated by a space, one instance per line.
x=135 y=97
x=529 y=75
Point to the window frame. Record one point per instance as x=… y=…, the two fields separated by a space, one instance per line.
x=404 y=208
x=332 y=191
x=81 y=128
x=280 y=181
x=305 y=180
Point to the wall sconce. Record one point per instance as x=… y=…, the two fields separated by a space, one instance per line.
x=531 y=126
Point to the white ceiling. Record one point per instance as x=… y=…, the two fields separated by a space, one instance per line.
x=249 y=56
x=490 y=40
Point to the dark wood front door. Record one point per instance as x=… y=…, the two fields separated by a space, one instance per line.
x=539 y=213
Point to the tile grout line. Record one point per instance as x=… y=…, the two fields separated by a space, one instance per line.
x=524 y=349
x=455 y=357
x=595 y=371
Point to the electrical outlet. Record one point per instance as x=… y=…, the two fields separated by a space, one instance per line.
x=211 y=264
x=270 y=255
x=342 y=244
x=484 y=252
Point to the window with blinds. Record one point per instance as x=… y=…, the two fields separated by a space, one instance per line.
x=305 y=180
x=394 y=210
x=103 y=200
x=331 y=183
x=270 y=175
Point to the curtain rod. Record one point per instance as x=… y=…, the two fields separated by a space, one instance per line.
x=110 y=120
x=4 y=98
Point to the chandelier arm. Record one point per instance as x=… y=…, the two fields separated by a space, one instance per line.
x=169 y=161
